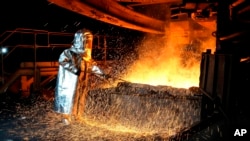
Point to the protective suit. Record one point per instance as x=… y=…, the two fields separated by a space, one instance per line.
x=74 y=66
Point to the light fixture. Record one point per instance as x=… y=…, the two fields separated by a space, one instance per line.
x=4 y=50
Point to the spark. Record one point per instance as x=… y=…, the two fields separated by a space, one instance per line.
x=45 y=24
x=111 y=115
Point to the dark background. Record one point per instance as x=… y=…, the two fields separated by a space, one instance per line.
x=40 y=14
x=43 y=15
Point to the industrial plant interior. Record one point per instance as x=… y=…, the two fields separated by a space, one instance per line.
x=179 y=69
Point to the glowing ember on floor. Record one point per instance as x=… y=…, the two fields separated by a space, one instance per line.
x=121 y=113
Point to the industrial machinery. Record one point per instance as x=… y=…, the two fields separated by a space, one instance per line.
x=224 y=74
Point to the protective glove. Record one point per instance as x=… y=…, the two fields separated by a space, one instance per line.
x=76 y=71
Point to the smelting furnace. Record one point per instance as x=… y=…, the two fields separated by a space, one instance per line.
x=193 y=62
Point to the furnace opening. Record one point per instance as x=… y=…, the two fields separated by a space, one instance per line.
x=172 y=59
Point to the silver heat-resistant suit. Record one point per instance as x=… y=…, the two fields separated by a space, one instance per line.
x=73 y=72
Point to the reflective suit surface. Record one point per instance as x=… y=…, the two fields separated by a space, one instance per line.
x=72 y=79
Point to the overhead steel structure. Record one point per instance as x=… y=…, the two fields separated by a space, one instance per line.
x=119 y=13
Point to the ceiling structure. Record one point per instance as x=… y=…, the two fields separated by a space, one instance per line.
x=197 y=20
x=152 y=16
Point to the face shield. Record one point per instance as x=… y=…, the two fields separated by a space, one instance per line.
x=78 y=40
x=82 y=44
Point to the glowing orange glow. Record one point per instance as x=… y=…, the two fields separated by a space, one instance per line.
x=87 y=55
x=168 y=61
x=121 y=129
x=88 y=48
x=111 y=127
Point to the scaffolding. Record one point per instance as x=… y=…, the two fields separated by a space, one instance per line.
x=34 y=72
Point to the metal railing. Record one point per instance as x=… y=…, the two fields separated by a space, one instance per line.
x=28 y=38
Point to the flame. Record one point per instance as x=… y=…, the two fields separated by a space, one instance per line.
x=166 y=60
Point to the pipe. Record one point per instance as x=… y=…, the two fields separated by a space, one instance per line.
x=115 y=9
x=21 y=72
x=236 y=3
x=152 y=1
x=18 y=73
x=231 y=36
x=87 y=10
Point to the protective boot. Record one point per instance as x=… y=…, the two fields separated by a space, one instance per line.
x=66 y=119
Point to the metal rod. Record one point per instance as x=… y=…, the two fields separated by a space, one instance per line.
x=35 y=64
x=2 y=79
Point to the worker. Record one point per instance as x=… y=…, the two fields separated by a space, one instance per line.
x=75 y=64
